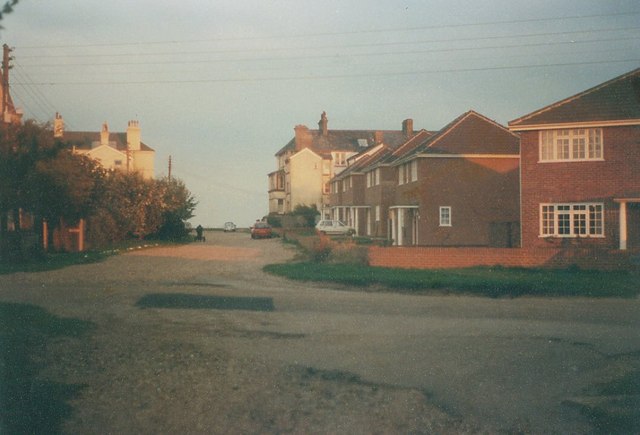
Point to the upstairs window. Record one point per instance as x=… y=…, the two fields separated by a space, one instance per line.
x=408 y=172
x=373 y=177
x=567 y=145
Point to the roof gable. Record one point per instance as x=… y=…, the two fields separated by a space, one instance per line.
x=472 y=133
x=615 y=100
x=469 y=133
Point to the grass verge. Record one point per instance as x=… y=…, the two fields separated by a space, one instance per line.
x=484 y=281
x=53 y=261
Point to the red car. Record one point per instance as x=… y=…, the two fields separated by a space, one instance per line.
x=261 y=230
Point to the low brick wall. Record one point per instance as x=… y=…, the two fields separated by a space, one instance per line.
x=448 y=258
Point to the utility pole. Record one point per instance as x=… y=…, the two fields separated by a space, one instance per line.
x=169 y=168
x=6 y=58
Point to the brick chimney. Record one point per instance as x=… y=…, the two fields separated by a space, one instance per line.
x=303 y=137
x=133 y=135
x=323 y=124
x=104 y=135
x=379 y=137
x=58 y=126
x=407 y=127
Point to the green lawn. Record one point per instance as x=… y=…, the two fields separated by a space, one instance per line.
x=53 y=261
x=484 y=281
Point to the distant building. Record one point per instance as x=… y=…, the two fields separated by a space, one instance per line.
x=307 y=163
x=122 y=151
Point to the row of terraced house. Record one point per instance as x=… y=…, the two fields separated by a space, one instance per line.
x=565 y=177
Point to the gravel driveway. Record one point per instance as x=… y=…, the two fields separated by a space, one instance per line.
x=197 y=339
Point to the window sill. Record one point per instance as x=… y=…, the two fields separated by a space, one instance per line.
x=571 y=161
x=543 y=236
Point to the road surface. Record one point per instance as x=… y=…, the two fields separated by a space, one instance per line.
x=197 y=339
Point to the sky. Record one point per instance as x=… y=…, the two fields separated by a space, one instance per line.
x=220 y=85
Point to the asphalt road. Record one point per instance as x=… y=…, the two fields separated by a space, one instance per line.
x=499 y=365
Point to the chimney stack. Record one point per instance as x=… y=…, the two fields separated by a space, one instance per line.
x=323 y=124
x=407 y=127
x=379 y=137
x=303 y=137
x=104 y=135
x=133 y=136
x=58 y=126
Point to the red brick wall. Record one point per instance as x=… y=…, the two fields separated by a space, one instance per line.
x=481 y=192
x=597 y=181
x=450 y=258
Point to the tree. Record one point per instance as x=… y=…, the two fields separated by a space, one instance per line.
x=178 y=206
x=7 y=8
x=64 y=186
x=307 y=213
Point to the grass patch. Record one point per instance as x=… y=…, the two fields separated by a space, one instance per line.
x=484 y=281
x=55 y=261
x=28 y=403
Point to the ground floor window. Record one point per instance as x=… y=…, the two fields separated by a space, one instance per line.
x=572 y=220
x=445 y=216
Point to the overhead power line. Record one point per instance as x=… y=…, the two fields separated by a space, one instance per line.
x=332 y=46
x=339 y=55
x=352 y=32
x=339 y=76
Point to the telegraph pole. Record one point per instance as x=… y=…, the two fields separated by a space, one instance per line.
x=169 y=168
x=6 y=58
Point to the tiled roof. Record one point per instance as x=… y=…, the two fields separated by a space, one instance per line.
x=615 y=100
x=469 y=133
x=345 y=140
x=84 y=140
x=363 y=162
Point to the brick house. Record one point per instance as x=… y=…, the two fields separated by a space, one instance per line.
x=307 y=163
x=580 y=169
x=348 y=191
x=457 y=187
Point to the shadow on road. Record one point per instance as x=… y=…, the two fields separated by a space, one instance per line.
x=29 y=404
x=187 y=301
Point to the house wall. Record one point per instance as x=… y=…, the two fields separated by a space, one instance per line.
x=143 y=162
x=383 y=195
x=483 y=194
x=305 y=175
x=589 y=181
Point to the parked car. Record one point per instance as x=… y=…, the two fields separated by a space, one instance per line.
x=334 y=227
x=261 y=230
x=229 y=226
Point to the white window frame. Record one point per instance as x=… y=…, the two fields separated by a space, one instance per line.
x=570 y=145
x=572 y=220
x=408 y=172
x=377 y=213
x=445 y=216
